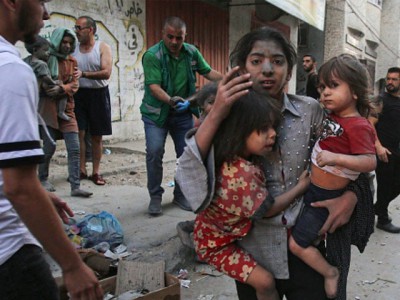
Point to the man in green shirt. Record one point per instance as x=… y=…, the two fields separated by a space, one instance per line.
x=169 y=70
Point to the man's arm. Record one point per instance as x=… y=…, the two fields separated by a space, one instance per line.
x=381 y=151
x=213 y=75
x=105 y=65
x=62 y=208
x=33 y=204
x=157 y=92
x=340 y=211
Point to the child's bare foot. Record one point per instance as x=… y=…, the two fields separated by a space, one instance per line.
x=331 y=283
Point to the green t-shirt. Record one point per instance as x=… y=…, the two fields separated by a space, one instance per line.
x=177 y=69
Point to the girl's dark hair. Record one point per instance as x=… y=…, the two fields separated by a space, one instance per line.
x=208 y=90
x=243 y=47
x=347 y=68
x=251 y=112
x=39 y=42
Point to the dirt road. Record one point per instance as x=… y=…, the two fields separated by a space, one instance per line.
x=374 y=275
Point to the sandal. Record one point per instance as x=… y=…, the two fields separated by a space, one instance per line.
x=98 y=179
x=83 y=176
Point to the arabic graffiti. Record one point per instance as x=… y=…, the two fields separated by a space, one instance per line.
x=138 y=79
x=133 y=36
x=118 y=3
x=134 y=10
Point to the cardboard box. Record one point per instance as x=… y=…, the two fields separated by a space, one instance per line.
x=171 y=291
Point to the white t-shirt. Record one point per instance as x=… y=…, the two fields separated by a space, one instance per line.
x=19 y=139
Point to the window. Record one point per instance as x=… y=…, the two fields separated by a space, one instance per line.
x=302 y=38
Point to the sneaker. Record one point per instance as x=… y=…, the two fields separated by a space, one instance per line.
x=155 y=207
x=185 y=233
x=80 y=193
x=48 y=186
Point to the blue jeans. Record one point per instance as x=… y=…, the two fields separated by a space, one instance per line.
x=71 y=140
x=26 y=275
x=177 y=125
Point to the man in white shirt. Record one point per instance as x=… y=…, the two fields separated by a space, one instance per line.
x=27 y=211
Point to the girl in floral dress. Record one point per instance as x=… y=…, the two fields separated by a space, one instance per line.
x=241 y=144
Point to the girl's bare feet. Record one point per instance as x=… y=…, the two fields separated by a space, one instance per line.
x=331 y=283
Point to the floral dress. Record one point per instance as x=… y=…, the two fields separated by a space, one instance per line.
x=241 y=195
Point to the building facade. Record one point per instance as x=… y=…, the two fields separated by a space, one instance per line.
x=365 y=28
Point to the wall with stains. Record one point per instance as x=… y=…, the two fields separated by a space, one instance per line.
x=121 y=24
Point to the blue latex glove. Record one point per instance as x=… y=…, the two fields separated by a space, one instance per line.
x=182 y=106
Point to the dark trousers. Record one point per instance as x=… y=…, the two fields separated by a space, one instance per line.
x=388 y=186
x=26 y=275
x=304 y=283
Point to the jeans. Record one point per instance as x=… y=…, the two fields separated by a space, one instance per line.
x=26 y=275
x=71 y=140
x=177 y=125
x=311 y=219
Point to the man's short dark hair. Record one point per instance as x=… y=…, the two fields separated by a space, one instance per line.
x=310 y=56
x=394 y=70
x=90 y=22
x=174 y=22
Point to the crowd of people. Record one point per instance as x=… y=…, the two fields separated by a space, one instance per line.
x=271 y=176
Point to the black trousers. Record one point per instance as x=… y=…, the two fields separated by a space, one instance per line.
x=304 y=283
x=26 y=275
x=388 y=186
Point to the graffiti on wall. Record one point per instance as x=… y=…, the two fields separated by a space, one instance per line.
x=103 y=34
x=127 y=44
x=134 y=39
x=132 y=16
x=132 y=8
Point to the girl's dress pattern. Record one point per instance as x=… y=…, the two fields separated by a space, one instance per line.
x=240 y=194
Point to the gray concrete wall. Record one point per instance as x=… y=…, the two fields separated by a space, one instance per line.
x=388 y=50
x=122 y=25
x=334 y=28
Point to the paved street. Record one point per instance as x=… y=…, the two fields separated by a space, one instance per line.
x=374 y=274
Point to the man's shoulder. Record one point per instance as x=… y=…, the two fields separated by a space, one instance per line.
x=103 y=44
x=303 y=104
x=156 y=47
x=10 y=58
x=388 y=96
x=154 y=52
x=312 y=74
x=190 y=47
x=302 y=99
x=17 y=65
